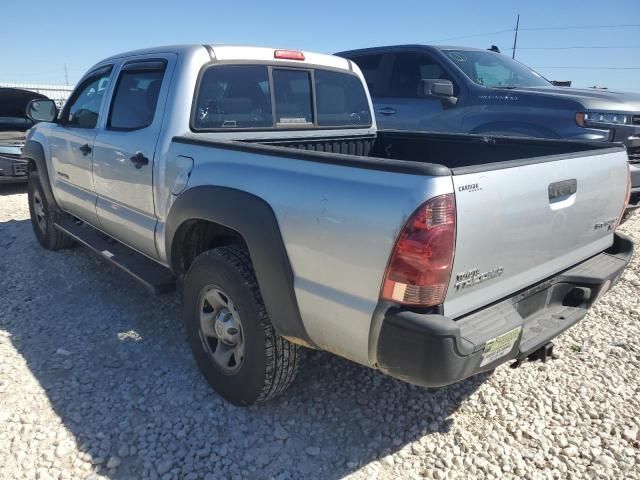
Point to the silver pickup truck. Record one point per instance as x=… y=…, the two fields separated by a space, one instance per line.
x=254 y=180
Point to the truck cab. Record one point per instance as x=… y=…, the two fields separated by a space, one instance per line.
x=460 y=89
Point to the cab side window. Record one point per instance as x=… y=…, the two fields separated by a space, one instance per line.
x=84 y=106
x=409 y=69
x=136 y=95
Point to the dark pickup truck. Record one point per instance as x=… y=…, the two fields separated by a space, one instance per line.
x=460 y=89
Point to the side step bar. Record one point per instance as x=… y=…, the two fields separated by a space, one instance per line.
x=152 y=275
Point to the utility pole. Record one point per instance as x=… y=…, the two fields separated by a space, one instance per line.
x=66 y=75
x=515 y=38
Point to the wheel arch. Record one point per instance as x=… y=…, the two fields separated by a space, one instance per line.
x=240 y=217
x=33 y=152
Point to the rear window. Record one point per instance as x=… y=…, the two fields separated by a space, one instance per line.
x=341 y=100
x=234 y=96
x=264 y=96
x=294 y=104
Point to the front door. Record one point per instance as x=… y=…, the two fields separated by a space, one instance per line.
x=124 y=151
x=401 y=107
x=71 y=145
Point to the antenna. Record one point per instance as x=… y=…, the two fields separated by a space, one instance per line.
x=66 y=75
x=515 y=38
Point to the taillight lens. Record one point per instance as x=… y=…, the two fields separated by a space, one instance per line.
x=419 y=268
x=621 y=217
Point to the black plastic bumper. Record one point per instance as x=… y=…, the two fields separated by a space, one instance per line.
x=433 y=350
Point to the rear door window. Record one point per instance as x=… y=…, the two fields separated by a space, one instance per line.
x=134 y=102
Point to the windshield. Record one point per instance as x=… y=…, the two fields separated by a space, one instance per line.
x=491 y=69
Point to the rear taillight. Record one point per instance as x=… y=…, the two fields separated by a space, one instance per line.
x=622 y=218
x=419 y=268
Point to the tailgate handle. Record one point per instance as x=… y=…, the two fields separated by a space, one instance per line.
x=563 y=189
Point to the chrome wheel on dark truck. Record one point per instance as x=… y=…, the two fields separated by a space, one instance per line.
x=44 y=216
x=234 y=343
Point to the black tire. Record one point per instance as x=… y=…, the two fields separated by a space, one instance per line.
x=44 y=215
x=270 y=362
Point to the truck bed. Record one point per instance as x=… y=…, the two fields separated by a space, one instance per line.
x=462 y=153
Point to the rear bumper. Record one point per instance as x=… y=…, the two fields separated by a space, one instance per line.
x=12 y=170
x=433 y=350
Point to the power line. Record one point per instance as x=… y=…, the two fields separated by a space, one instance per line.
x=594 y=68
x=578 y=27
x=586 y=47
x=568 y=27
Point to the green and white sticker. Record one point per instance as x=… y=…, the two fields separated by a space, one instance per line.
x=501 y=345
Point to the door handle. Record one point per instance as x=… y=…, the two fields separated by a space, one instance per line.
x=139 y=160
x=85 y=149
x=386 y=111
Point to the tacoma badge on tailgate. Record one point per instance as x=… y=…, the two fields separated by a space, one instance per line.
x=473 y=277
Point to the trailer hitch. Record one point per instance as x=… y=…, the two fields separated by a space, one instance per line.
x=542 y=354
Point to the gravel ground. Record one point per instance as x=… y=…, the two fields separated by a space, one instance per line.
x=97 y=381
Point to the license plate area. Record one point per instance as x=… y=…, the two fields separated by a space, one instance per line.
x=500 y=346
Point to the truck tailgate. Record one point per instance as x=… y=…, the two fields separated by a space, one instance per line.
x=522 y=222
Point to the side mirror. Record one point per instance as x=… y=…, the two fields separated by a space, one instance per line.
x=437 y=88
x=42 y=110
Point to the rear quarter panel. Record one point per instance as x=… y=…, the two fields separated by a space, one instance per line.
x=338 y=225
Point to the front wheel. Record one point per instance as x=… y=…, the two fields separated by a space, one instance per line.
x=44 y=216
x=234 y=343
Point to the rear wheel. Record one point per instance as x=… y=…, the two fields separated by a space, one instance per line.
x=44 y=216
x=234 y=343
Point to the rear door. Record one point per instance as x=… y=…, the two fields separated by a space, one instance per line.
x=125 y=148
x=376 y=68
x=399 y=105
x=517 y=226
x=71 y=142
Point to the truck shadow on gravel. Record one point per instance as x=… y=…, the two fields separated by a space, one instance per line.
x=115 y=366
x=12 y=188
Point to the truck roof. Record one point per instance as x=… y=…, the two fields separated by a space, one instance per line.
x=407 y=47
x=239 y=52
